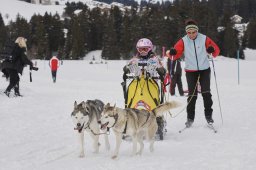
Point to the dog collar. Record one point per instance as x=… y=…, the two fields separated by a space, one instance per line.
x=115 y=117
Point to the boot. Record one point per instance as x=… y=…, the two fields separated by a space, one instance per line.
x=7 y=93
x=209 y=120
x=17 y=90
x=189 y=123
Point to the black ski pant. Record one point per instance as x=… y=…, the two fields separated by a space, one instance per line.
x=14 y=80
x=176 y=79
x=54 y=75
x=204 y=77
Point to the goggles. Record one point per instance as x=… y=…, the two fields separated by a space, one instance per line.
x=143 y=49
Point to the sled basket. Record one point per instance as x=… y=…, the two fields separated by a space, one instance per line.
x=143 y=93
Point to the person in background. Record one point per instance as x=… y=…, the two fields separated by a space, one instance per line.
x=175 y=73
x=54 y=65
x=14 y=65
x=196 y=48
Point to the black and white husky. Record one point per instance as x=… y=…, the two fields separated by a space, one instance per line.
x=85 y=117
x=133 y=122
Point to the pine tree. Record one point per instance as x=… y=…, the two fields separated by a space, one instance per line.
x=126 y=39
x=20 y=28
x=84 y=25
x=250 y=34
x=230 y=42
x=112 y=35
x=38 y=39
x=3 y=33
x=96 y=30
x=56 y=34
x=77 y=49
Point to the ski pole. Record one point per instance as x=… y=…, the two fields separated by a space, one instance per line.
x=216 y=87
x=170 y=72
x=30 y=75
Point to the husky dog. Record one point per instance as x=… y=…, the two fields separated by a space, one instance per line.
x=133 y=122
x=85 y=116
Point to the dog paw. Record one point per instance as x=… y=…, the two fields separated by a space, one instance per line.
x=114 y=157
x=81 y=155
x=139 y=153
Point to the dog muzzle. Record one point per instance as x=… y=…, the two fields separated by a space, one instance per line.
x=79 y=128
x=104 y=126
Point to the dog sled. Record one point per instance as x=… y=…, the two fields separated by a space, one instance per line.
x=143 y=89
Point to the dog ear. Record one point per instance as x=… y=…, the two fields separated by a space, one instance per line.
x=107 y=105
x=83 y=104
x=75 y=104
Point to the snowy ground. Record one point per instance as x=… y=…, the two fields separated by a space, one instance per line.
x=36 y=131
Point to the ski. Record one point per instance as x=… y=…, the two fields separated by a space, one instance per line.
x=212 y=128
x=208 y=125
x=180 y=131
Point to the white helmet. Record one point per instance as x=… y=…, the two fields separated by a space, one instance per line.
x=143 y=46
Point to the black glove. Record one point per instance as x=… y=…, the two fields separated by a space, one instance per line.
x=173 y=51
x=210 y=49
x=126 y=70
x=161 y=71
x=33 y=68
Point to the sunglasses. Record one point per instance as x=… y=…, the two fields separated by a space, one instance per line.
x=191 y=32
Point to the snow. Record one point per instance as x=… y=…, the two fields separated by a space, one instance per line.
x=37 y=131
x=250 y=54
x=11 y=8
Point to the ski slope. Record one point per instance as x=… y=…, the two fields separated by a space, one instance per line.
x=36 y=130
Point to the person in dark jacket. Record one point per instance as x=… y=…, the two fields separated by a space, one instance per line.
x=196 y=48
x=175 y=74
x=14 y=66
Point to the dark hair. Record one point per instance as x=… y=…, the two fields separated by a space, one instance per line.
x=190 y=22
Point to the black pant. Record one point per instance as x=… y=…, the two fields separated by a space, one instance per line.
x=204 y=80
x=176 y=79
x=54 y=73
x=14 y=80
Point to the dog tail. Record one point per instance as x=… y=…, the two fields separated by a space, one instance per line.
x=165 y=107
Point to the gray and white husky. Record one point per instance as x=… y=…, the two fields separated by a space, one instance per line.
x=85 y=117
x=133 y=122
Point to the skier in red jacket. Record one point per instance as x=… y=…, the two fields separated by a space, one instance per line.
x=196 y=48
x=54 y=64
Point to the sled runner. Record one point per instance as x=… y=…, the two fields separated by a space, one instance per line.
x=143 y=90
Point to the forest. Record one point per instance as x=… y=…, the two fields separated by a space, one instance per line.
x=115 y=31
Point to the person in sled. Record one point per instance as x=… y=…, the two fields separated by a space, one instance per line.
x=145 y=63
x=14 y=65
x=144 y=54
x=196 y=48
